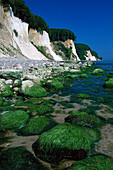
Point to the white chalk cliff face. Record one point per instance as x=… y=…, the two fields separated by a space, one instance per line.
x=22 y=40
x=41 y=38
x=90 y=57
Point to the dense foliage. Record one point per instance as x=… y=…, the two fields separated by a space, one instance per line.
x=60 y=49
x=24 y=13
x=82 y=51
x=61 y=35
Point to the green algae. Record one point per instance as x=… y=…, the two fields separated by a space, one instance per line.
x=6 y=90
x=37 y=126
x=94 y=163
x=66 y=104
x=13 y=120
x=82 y=96
x=19 y=158
x=84 y=76
x=83 y=119
x=109 y=83
x=35 y=91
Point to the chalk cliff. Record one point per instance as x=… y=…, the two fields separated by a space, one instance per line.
x=18 y=36
x=15 y=40
x=41 y=38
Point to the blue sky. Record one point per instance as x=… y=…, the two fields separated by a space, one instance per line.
x=90 y=20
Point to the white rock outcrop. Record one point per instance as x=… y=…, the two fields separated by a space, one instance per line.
x=90 y=56
x=41 y=38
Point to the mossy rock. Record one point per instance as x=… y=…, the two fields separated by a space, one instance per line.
x=44 y=109
x=109 y=83
x=19 y=158
x=66 y=104
x=82 y=96
x=39 y=109
x=1 y=101
x=84 y=76
x=62 y=142
x=7 y=103
x=37 y=125
x=13 y=120
x=107 y=69
x=95 y=163
x=54 y=85
x=32 y=89
x=6 y=90
x=98 y=71
x=83 y=119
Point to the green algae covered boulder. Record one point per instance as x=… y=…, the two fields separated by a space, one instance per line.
x=5 y=90
x=19 y=158
x=82 y=96
x=32 y=89
x=109 y=83
x=37 y=125
x=99 y=162
x=98 y=71
x=53 y=85
x=13 y=120
x=84 y=76
x=62 y=142
x=83 y=119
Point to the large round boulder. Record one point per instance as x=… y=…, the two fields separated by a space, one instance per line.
x=61 y=142
x=32 y=89
x=13 y=120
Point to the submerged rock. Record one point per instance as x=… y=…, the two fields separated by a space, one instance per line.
x=19 y=158
x=95 y=163
x=32 y=89
x=13 y=120
x=61 y=142
x=98 y=71
x=82 y=96
x=83 y=119
x=109 y=83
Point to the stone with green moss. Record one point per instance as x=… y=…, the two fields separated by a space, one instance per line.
x=5 y=90
x=62 y=142
x=98 y=71
x=54 y=85
x=13 y=120
x=66 y=104
x=19 y=158
x=83 y=119
x=109 y=83
x=38 y=109
x=84 y=76
x=82 y=96
x=37 y=125
x=32 y=89
x=94 y=163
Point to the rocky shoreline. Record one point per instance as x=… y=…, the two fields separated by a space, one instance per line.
x=31 y=104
